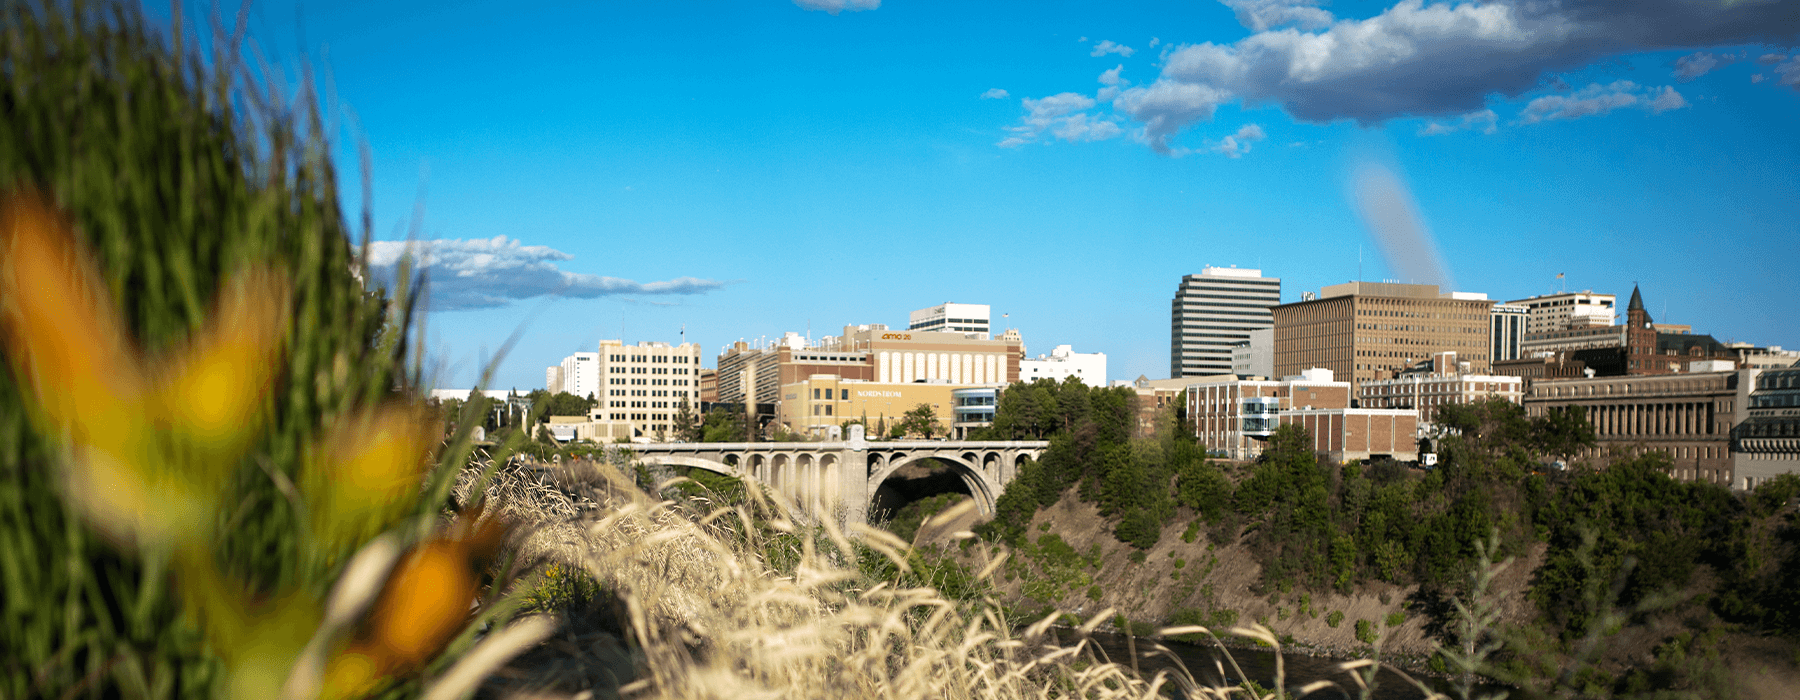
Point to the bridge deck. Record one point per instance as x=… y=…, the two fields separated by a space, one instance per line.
x=839 y=445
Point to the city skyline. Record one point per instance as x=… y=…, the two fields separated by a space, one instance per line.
x=765 y=167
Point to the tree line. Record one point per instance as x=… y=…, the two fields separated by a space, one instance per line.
x=1625 y=535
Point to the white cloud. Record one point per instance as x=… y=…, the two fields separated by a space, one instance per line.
x=1064 y=116
x=1263 y=15
x=1236 y=145
x=836 y=6
x=1769 y=59
x=1757 y=78
x=1165 y=107
x=1154 y=41
x=1788 y=72
x=1666 y=100
x=493 y=272
x=1113 y=84
x=995 y=94
x=1107 y=46
x=1043 y=109
x=1591 y=100
x=1424 y=59
x=1597 y=99
x=1695 y=65
x=1484 y=120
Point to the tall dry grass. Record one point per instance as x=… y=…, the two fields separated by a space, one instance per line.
x=739 y=601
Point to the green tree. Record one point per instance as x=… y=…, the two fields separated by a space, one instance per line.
x=688 y=427
x=723 y=425
x=567 y=404
x=1562 y=432
x=921 y=420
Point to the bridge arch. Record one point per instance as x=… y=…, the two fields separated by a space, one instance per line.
x=675 y=460
x=979 y=485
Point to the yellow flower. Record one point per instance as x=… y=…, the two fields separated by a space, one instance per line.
x=421 y=608
x=368 y=471
x=62 y=336
x=144 y=463
x=215 y=390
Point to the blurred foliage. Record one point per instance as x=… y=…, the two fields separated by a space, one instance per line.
x=179 y=491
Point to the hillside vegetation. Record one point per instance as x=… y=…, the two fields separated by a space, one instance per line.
x=1625 y=579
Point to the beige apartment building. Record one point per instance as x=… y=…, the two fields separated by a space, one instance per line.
x=1364 y=331
x=645 y=385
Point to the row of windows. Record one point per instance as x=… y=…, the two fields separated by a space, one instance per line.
x=652 y=370
x=1244 y=327
x=676 y=359
x=1220 y=312
x=1193 y=306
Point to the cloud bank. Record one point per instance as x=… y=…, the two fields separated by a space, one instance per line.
x=1438 y=59
x=493 y=272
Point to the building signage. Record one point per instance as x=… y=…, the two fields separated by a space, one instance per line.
x=896 y=336
x=880 y=394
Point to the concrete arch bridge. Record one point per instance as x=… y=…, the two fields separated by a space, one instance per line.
x=839 y=479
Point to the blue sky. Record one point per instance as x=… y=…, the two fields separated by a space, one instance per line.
x=749 y=168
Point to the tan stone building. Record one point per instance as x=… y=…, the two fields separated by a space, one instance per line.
x=1689 y=415
x=1363 y=331
x=817 y=405
x=869 y=370
x=870 y=353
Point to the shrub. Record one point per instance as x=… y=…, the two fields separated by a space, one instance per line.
x=1335 y=618
x=1191 y=533
x=1365 y=631
x=1396 y=619
x=1094 y=593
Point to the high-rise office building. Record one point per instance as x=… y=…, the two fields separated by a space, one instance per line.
x=950 y=317
x=1549 y=313
x=1506 y=331
x=1372 y=330
x=1212 y=312
x=579 y=374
